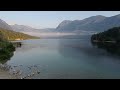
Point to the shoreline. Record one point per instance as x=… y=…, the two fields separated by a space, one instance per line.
x=97 y=41
x=5 y=75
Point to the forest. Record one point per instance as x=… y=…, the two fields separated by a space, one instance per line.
x=111 y=35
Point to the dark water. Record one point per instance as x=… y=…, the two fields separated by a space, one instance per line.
x=66 y=58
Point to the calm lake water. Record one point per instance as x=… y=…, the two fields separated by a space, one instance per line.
x=66 y=59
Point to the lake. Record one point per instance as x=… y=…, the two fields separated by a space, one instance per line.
x=66 y=58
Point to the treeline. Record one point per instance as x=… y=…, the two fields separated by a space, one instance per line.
x=12 y=35
x=6 y=49
x=111 y=35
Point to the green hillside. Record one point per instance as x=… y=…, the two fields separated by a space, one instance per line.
x=111 y=35
x=108 y=40
x=12 y=35
x=6 y=49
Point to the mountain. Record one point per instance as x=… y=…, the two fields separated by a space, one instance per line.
x=8 y=33
x=92 y=24
x=46 y=30
x=64 y=23
x=4 y=25
x=24 y=28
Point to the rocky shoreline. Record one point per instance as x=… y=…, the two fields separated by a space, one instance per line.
x=15 y=72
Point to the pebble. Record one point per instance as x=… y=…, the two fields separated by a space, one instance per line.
x=33 y=73
x=38 y=72
x=19 y=72
x=14 y=66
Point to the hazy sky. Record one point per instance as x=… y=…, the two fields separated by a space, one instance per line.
x=48 y=19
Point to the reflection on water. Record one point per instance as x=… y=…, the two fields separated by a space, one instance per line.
x=77 y=48
x=26 y=48
x=67 y=47
x=65 y=58
x=96 y=62
x=112 y=48
x=16 y=71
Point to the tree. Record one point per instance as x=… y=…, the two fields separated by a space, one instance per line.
x=1 y=36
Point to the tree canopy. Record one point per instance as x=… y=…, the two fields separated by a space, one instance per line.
x=112 y=34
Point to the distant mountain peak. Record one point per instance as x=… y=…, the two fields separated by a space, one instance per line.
x=117 y=16
x=4 y=25
x=66 y=21
x=63 y=23
x=94 y=23
x=97 y=17
x=22 y=26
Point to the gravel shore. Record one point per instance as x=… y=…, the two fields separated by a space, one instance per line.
x=5 y=75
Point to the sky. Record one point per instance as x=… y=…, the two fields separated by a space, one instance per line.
x=48 y=19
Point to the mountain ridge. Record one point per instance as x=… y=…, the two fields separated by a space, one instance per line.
x=88 y=25
x=4 y=25
x=94 y=23
x=10 y=34
x=24 y=28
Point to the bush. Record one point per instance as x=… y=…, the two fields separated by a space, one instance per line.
x=7 y=50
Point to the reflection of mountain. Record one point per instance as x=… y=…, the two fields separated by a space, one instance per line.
x=77 y=48
x=28 y=47
x=67 y=47
x=109 y=47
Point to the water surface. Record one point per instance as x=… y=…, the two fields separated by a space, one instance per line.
x=66 y=58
